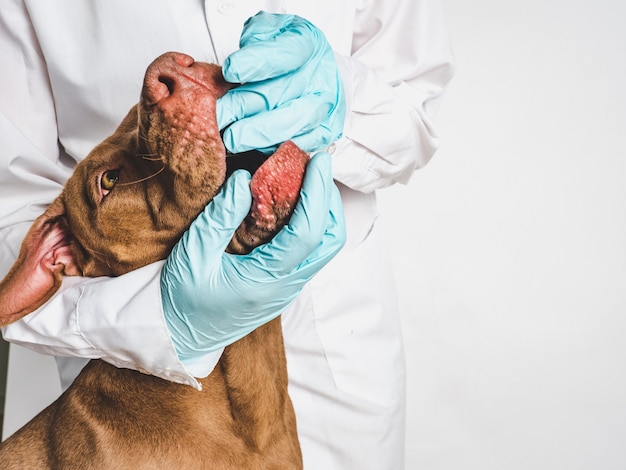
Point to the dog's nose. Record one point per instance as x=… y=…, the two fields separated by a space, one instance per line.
x=165 y=76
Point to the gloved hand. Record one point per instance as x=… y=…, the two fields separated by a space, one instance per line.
x=291 y=87
x=212 y=298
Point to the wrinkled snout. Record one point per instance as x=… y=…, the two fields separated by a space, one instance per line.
x=176 y=76
x=177 y=119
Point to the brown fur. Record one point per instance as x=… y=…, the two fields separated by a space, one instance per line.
x=114 y=418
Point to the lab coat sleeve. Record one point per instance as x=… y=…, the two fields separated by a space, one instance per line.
x=397 y=71
x=119 y=319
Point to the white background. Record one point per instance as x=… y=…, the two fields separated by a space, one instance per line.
x=510 y=246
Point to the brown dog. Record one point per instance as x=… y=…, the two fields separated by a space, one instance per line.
x=125 y=206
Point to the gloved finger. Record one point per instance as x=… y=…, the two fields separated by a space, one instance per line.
x=329 y=130
x=301 y=236
x=263 y=56
x=321 y=136
x=333 y=240
x=239 y=103
x=266 y=130
x=264 y=26
x=209 y=234
x=254 y=98
x=234 y=106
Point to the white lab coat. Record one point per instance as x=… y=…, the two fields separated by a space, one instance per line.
x=71 y=70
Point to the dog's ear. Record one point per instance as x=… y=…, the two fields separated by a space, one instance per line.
x=44 y=257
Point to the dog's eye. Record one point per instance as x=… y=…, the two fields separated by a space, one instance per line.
x=108 y=180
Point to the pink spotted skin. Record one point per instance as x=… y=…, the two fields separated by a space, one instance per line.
x=276 y=185
x=275 y=189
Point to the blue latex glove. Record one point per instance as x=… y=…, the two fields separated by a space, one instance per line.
x=291 y=87
x=212 y=298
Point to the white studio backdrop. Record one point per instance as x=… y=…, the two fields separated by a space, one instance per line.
x=510 y=246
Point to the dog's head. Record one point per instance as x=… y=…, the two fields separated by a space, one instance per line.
x=132 y=197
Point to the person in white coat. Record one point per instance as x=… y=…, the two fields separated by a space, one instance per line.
x=71 y=72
